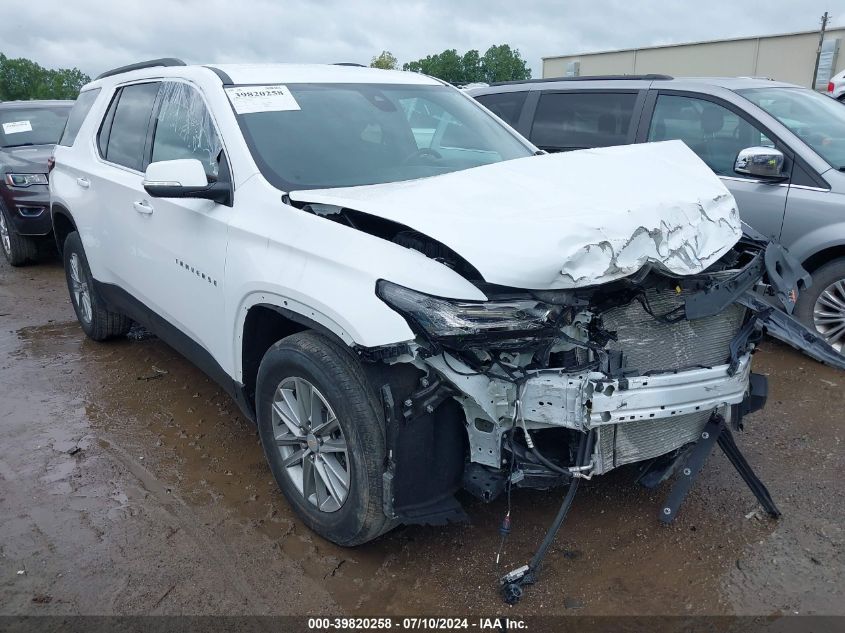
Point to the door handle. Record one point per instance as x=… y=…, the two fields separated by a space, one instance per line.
x=83 y=182
x=143 y=207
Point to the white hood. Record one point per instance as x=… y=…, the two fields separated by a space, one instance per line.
x=565 y=220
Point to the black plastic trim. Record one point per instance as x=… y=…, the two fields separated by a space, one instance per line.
x=227 y=81
x=649 y=77
x=304 y=321
x=152 y=63
x=758 y=393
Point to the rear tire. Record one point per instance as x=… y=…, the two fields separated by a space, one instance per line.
x=17 y=249
x=97 y=322
x=822 y=307
x=296 y=368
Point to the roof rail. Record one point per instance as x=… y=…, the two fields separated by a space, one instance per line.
x=349 y=64
x=649 y=77
x=153 y=63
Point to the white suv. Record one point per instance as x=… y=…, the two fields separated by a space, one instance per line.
x=402 y=294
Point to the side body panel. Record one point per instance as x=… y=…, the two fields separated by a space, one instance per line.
x=815 y=218
x=324 y=270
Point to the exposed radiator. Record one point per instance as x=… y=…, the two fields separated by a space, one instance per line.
x=619 y=444
x=650 y=345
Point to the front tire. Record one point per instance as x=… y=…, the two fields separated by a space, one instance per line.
x=97 y=322
x=322 y=433
x=822 y=307
x=17 y=249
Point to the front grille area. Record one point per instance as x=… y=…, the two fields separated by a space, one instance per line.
x=620 y=444
x=650 y=345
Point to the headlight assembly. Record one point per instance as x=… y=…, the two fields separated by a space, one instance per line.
x=448 y=318
x=25 y=180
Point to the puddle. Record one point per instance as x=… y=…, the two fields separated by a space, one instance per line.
x=167 y=463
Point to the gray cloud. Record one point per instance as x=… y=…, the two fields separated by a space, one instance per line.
x=95 y=35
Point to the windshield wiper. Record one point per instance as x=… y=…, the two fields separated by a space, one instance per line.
x=19 y=145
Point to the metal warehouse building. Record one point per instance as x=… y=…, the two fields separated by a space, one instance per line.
x=786 y=57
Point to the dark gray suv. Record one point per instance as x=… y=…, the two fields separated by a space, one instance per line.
x=28 y=132
x=779 y=148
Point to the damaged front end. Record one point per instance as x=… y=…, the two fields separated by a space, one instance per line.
x=508 y=389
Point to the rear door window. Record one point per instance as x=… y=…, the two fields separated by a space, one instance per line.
x=127 y=134
x=505 y=105
x=77 y=115
x=579 y=120
x=712 y=131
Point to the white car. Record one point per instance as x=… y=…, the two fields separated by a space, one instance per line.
x=836 y=86
x=405 y=314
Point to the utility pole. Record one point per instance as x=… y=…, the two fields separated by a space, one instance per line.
x=825 y=19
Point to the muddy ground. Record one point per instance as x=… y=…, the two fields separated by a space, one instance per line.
x=129 y=484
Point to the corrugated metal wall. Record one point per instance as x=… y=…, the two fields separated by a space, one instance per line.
x=788 y=57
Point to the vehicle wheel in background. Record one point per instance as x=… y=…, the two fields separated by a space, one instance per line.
x=320 y=425
x=18 y=249
x=97 y=322
x=822 y=307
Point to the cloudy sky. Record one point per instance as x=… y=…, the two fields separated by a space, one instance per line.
x=95 y=35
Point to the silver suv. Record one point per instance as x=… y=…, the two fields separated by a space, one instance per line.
x=779 y=149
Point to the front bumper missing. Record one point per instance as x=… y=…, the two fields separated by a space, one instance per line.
x=615 y=401
x=587 y=400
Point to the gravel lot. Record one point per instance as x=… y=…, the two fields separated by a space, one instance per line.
x=129 y=484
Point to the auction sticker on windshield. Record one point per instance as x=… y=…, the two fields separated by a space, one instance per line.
x=13 y=127
x=249 y=99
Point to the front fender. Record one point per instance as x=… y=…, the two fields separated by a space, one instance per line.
x=818 y=240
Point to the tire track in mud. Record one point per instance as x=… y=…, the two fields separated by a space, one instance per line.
x=224 y=541
x=215 y=547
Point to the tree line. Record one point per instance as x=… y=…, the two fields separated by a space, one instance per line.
x=23 y=79
x=498 y=63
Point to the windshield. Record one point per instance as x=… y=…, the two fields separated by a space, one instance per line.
x=32 y=126
x=817 y=120
x=342 y=135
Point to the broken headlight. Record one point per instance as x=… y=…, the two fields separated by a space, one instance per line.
x=445 y=318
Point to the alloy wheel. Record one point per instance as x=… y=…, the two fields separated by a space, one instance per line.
x=80 y=289
x=311 y=443
x=829 y=314
x=4 y=235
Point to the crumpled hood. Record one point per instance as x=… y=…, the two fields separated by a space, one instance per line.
x=29 y=159
x=565 y=220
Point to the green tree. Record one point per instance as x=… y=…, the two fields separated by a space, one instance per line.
x=385 y=61
x=23 y=79
x=502 y=63
x=447 y=66
x=499 y=63
x=472 y=67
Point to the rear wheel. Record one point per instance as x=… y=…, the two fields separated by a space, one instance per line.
x=822 y=307
x=97 y=322
x=323 y=437
x=17 y=249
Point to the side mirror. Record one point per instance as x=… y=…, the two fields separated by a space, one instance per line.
x=762 y=162
x=185 y=178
